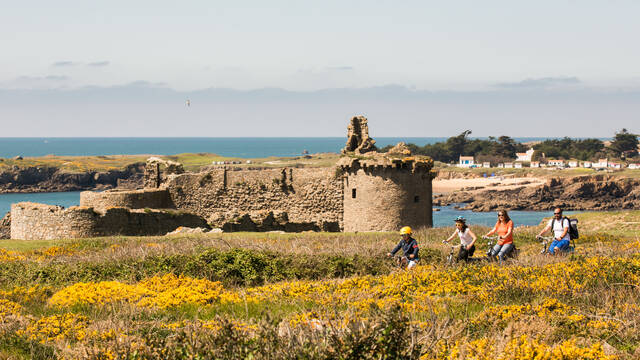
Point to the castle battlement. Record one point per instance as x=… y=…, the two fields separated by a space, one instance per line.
x=383 y=163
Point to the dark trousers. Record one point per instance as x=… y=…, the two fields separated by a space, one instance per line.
x=465 y=254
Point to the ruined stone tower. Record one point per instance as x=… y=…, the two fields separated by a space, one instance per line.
x=384 y=194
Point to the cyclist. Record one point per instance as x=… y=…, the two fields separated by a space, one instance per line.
x=504 y=228
x=409 y=246
x=467 y=239
x=560 y=227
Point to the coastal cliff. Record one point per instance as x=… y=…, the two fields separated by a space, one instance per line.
x=33 y=179
x=599 y=192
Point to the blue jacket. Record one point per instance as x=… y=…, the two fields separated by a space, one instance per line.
x=409 y=247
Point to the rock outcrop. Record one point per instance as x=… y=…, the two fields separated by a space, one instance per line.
x=578 y=193
x=358 y=139
x=267 y=221
x=5 y=226
x=401 y=148
x=52 y=179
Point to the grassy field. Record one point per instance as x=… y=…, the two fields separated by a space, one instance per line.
x=320 y=296
x=191 y=162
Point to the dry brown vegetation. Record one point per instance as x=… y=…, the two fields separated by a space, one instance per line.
x=320 y=296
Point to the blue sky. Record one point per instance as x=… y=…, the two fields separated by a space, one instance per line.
x=69 y=68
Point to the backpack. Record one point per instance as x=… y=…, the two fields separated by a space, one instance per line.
x=573 y=227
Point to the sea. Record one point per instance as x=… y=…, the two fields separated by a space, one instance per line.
x=242 y=147
x=229 y=147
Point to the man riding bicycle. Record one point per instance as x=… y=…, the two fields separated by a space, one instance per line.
x=409 y=247
x=560 y=227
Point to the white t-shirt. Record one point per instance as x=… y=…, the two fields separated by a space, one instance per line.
x=558 y=228
x=465 y=237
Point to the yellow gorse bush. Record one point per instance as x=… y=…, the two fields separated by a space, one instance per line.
x=57 y=327
x=159 y=291
x=8 y=307
x=520 y=348
x=414 y=290
x=7 y=256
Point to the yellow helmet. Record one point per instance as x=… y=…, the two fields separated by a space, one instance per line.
x=405 y=230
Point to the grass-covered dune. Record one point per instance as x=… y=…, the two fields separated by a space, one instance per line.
x=320 y=296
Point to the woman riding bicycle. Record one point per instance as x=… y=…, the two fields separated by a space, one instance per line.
x=467 y=239
x=504 y=229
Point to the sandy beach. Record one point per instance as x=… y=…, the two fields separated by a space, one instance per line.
x=449 y=185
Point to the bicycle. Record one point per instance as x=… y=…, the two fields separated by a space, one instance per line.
x=400 y=261
x=451 y=258
x=546 y=240
x=491 y=241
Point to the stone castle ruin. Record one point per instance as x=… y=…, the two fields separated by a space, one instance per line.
x=365 y=191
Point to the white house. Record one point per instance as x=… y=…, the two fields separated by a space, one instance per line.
x=558 y=163
x=602 y=163
x=486 y=164
x=587 y=164
x=615 y=165
x=501 y=165
x=573 y=163
x=534 y=164
x=517 y=165
x=466 y=161
x=508 y=165
x=525 y=156
x=634 y=166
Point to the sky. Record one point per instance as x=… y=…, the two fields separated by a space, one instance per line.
x=303 y=68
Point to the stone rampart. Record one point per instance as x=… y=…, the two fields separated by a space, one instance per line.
x=31 y=221
x=222 y=195
x=132 y=199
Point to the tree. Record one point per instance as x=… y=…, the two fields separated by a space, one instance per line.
x=625 y=144
x=456 y=144
x=506 y=147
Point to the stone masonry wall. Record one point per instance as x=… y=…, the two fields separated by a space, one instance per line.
x=221 y=195
x=132 y=199
x=31 y=221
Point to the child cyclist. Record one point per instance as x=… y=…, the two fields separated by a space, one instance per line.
x=409 y=247
x=467 y=239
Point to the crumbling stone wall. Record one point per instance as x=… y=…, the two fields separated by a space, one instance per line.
x=386 y=195
x=223 y=195
x=31 y=221
x=156 y=171
x=132 y=199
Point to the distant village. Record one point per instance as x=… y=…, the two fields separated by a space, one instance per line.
x=525 y=160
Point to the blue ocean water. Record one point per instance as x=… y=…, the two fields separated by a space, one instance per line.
x=66 y=199
x=442 y=218
x=232 y=147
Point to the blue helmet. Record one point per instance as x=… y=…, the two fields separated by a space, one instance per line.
x=460 y=218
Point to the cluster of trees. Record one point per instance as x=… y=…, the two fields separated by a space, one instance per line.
x=624 y=145
x=491 y=149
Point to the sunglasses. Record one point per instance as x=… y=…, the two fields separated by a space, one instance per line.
x=555 y=213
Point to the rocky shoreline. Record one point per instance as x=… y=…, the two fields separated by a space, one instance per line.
x=52 y=179
x=598 y=192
